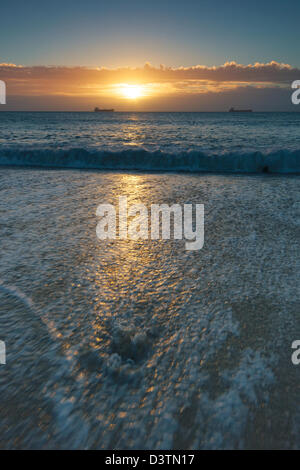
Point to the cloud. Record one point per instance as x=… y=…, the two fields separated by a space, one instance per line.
x=161 y=82
x=231 y=71
x=260 y=99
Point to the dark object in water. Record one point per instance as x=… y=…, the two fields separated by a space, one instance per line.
x=232 y=110
x=98 y=110
x=265 y=169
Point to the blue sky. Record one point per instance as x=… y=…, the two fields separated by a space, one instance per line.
x=129 y=33
x=125 y=35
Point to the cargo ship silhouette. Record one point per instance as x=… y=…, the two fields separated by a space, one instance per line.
x=232 y=110
x=99 y=110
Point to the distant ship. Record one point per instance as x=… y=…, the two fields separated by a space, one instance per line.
x=98 y=110
x=232 y=110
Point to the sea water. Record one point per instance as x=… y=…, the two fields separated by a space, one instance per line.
x=141 y=344
x=234 y=142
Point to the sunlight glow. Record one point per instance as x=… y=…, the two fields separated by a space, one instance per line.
x=132 y=92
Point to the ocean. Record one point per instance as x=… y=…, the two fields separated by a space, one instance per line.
x=141 y=344
x=214 y=142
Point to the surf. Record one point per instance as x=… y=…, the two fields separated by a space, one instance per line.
x=279 y=162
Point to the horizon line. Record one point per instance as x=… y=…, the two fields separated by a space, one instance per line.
x=132 y=111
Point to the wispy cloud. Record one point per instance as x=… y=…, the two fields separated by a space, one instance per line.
x=273 y=72
x=159 y=82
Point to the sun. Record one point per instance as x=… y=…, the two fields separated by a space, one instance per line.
x=132 y=92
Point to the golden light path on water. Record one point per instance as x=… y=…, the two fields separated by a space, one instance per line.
x=139 y=343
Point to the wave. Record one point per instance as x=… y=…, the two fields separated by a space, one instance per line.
x=282 y=161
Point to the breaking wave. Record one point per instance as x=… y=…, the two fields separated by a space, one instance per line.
x=282 y=161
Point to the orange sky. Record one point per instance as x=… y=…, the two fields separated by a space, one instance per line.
x=145 y=88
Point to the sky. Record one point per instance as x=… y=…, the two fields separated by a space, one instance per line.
x=125 y=35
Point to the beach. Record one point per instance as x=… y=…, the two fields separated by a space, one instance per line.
x=141 y=344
